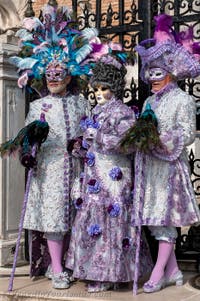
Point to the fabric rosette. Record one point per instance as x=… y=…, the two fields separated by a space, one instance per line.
x=115 y=173
x=94 y=230
x=114 y=210
x=93 y=186
x=87 y=122
x=89 y=159
x=78 y=203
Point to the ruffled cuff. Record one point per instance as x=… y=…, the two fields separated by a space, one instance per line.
x=107 y=141
x=172 y=145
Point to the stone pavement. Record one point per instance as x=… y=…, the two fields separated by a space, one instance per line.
x=26 y=289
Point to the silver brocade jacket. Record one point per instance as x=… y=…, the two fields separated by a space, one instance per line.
x=162 y=178
x=49 y=205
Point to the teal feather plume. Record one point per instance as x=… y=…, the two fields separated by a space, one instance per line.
x=35 y=132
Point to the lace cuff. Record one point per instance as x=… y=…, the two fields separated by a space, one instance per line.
x=172 y=145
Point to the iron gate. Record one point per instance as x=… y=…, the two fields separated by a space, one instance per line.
x=130 y=22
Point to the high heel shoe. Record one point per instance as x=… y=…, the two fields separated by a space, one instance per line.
x=177 y=279
x=151 y=287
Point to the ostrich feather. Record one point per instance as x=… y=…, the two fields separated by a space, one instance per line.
x=89 y=33
x=26 y=63
x=82 y=53
x=24 y=35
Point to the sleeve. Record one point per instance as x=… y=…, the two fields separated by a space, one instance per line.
x=33 y=113
x=114 y=128
x=174 y=141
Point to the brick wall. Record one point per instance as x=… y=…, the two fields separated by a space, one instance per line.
x=39 y=3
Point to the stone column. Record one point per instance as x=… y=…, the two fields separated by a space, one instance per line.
x=12 y=182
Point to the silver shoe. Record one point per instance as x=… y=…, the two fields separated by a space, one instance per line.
x=177 y=279
x=69 y=274
x=60 y=281
x=49 y=272
x=151 y=287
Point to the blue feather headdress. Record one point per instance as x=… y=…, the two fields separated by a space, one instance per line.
x=52 y=37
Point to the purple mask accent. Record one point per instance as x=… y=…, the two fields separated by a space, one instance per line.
x=155 y=74
x=55 y=75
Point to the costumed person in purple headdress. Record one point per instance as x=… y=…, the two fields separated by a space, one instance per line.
x=102 y=245
x=162 y=173
x=54 y=49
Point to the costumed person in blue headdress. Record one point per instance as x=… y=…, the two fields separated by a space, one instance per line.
x=102 y=245
x=53 y=52
x=163 y=194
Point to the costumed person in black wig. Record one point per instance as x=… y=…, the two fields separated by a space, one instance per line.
x=53 y=48
x=163 y=194
x=102 y=245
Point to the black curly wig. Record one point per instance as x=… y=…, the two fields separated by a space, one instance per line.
x=110 y=76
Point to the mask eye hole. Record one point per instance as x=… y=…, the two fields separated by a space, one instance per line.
x=95 y=89
x=104 y=88
x=158 y=74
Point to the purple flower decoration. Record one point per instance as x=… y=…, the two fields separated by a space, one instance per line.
x=85 y=144
x=94 y=230
x=93 y=186
x=85 y=123
x=126 y=243
x=78 y=203
x=114 y=210
x=115 y=173
x=90 y=159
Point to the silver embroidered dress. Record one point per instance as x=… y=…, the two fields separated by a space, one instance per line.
x=102 y=246
x=163 y=193
x=48 y=208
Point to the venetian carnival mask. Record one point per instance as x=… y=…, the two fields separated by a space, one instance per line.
x=102 y=94
x=155 y=74
x=158 y=78
x=57 y=79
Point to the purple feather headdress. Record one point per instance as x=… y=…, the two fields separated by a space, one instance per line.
x=176 y=53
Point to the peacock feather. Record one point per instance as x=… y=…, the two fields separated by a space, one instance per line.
x=35 y=132
x=143 y=135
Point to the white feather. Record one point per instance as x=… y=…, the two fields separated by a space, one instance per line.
x=82 y=53
x=24 y=35
x=89 y=33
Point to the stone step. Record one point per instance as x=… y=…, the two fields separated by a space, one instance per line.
x=40 y=289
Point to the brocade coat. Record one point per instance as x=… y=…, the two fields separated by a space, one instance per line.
x=102 y=245
x=49 y=206
x=163 y=192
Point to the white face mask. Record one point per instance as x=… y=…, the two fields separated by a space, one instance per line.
x=155 y=74
x=102 y=94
